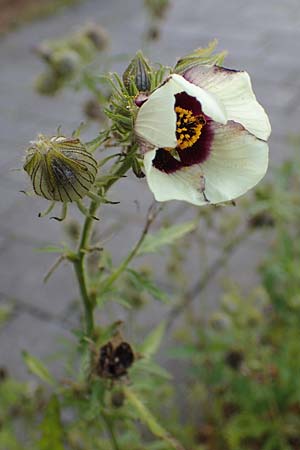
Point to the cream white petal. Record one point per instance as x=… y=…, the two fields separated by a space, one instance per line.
x=211 y=106
x=237 y=162
x=234 y=90
x=180 y=185
x=156 y=118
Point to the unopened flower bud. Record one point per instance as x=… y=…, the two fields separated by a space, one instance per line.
x=98 y=36
x=153 y=33
x=117 y=398
x=44 y=52
x=72 y=229
x=261 y=219
x=48 y=83
x=82 y=45
x=61 y=169
x=92 y=110
x=138 y=72
x=157 y=8
x=65 y=62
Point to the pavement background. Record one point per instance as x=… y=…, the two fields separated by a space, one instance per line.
x=261 y=37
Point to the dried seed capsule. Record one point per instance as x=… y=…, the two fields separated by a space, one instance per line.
x=114 y=359
x=234 y=359
x=61 y=169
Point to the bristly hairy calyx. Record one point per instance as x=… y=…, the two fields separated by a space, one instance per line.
x=201 y=56
x=139 y=77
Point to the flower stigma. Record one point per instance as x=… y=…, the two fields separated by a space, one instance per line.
x=188 y=127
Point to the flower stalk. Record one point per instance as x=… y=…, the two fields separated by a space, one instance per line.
x=79 y=262
x=124 y=264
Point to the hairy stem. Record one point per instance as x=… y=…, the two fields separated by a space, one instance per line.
x=111 y=431
x=79 y=262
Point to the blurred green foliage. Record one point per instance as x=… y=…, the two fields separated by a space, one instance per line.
x=245 y=360
x=241 y=390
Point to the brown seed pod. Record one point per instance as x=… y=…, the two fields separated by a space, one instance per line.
x=115 y=358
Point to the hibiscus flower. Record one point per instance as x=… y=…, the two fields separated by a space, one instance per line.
x=203 y=135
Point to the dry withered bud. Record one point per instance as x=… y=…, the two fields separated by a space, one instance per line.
x=115 y=358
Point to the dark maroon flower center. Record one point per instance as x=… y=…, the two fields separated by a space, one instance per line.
x=188 y=127
x=194 y=136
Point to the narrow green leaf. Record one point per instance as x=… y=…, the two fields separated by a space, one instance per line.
x=166 y=236
x=149 y=420
x=51 y=427
x=151 y=368
x=123 y=302
x=35 y=366
x=152 y=342
x=142 y=282
x=5 y=313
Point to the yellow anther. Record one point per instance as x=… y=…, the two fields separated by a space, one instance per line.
x=187 y=122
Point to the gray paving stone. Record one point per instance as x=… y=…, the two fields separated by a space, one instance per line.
x=41 y=338
x=8 y=198
x=261 y=37
x=22 y=272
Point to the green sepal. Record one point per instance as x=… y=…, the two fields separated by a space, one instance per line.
x=201 y=56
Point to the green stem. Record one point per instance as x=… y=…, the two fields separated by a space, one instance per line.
x=111 y=431
x=119 y=270
x=88 y=308
x=79 y=265
x=79 y=262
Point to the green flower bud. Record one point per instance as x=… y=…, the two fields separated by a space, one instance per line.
x=157 y=8
x=61 y=169
x=93 y=110
x=137 y=74
x=48 y=83
x=82 y=45
x=44 y=51
x=65 y=62
x=98 y=36
x=117 y=398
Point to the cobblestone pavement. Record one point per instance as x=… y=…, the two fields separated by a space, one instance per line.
x=262 y=37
